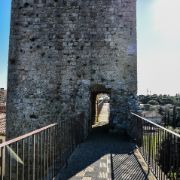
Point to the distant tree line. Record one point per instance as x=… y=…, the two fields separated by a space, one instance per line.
x=168 y=106
x=160 y=99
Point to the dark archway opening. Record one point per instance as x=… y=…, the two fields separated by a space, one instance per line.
x=102 y=109
x=100 y=106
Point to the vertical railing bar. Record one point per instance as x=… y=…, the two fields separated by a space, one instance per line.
x=161 y=140
x=50 y=153
x=44 y=153
x=155 y=153
x=148 y=147
x=144 y=140
x=153 y=143
x=151 y=148
x=34 y=157
x=28 y=162
x=37 y=156
x=17 y=164
x=157 y=149
x=158 y=152
x=147 y=139
x=174 y=155
x=57 y=145
x=178 y=157
x=40 y=156
x=169 y=153
x=161 y=135
x=47 y=164
x=2 y=162
x=23 y=159
x=41 y=162
x=165 y=150
x=53 y=141
x=143 y=134
x=52 y=163
x=171 y=156
x=10 y=163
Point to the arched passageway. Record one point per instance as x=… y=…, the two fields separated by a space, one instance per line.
x=101 y=106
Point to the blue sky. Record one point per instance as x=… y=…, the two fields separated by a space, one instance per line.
x=4 y=39
x=158 y=42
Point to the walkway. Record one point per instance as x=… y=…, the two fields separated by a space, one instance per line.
x=103 y=156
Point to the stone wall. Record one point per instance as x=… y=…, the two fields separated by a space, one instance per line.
x=59 y=50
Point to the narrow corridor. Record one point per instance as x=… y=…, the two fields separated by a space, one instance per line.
x=103 y=156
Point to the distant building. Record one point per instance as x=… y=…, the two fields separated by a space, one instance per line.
x=2 y=125
x=153 y=116
x=2 y=114
x=3 y=93
x=2 y=107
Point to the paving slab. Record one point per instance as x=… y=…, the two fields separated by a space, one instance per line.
x=103 y=156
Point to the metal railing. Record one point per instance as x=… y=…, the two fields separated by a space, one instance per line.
x=39 y=154
x=160 y=148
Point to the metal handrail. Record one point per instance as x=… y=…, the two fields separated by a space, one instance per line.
x=157 y=125
x=159 y=146
x=40 y=154
x=14 y=140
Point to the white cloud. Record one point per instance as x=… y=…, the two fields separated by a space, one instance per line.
x=166 y=21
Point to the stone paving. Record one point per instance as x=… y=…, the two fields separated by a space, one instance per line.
x=103 y=156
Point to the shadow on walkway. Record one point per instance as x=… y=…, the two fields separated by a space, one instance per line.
x=103 y=156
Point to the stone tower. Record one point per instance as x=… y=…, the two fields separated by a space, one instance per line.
x=62 y=53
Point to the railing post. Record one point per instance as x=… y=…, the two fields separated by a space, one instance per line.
x=139 y=132
x=34 y=157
